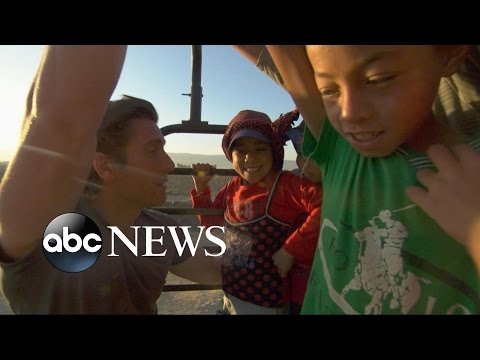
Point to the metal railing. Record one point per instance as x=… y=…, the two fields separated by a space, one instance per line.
x=192 y=211
x=194 y=125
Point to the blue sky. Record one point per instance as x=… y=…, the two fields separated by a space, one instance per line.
x=160 y=74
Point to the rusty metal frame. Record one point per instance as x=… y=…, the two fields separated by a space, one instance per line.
x=194 y=126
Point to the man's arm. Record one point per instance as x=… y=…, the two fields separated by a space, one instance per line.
x=293 y=64
x=201 y=269
x=251 y=52
x=65 y=106
x=288 y=66
x=260 y=57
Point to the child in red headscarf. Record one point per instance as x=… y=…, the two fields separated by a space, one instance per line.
x=271 y=218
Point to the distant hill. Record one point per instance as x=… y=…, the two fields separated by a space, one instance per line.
x=219 y=160
x=179 y=186
x=189 y=159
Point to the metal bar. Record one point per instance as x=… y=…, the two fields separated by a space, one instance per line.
x=196 y=88
x=189 y=171
x=194 y=125
x=190 y=287
x=187 y=127
x=189 y=211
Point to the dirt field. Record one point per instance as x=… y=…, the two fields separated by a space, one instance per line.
x=188 y=302
x=172 y=303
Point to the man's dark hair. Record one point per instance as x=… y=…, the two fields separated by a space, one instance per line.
x=114 y=132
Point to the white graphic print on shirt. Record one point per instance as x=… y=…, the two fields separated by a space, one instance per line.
x=379 y=270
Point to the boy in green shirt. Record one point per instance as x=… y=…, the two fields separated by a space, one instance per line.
x=378 y=253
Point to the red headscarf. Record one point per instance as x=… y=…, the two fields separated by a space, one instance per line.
x=260 y=122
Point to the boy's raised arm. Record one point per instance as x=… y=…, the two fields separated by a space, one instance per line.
x=65 y=106
x=293 y=64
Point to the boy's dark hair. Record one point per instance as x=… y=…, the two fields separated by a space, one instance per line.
x=113 y=134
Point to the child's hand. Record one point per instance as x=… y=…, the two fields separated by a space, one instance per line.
x=452 y=197
x=203 y=177
x=283 y=261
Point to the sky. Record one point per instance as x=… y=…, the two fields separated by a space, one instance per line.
x=160 y=74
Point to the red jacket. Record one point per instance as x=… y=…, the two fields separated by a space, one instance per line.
x=296 y=201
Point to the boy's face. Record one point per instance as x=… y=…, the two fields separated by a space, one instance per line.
x=252 y=159
x=142 y=180
x=377 y=97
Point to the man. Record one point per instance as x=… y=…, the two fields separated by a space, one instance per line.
x=69 y=131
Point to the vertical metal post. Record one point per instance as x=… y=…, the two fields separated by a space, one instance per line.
x=196 y=88
x=195 y=125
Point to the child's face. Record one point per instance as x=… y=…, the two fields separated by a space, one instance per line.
x=252 y=159
x=377 y=97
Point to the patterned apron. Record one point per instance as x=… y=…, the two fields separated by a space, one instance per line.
x=248 y=272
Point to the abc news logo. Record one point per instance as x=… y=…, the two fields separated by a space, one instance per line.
x=72 y=242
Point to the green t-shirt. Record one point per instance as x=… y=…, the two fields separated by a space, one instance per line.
x=377 y=252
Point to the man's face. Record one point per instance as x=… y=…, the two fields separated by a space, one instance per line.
x=377 y=97
x=142 y=179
